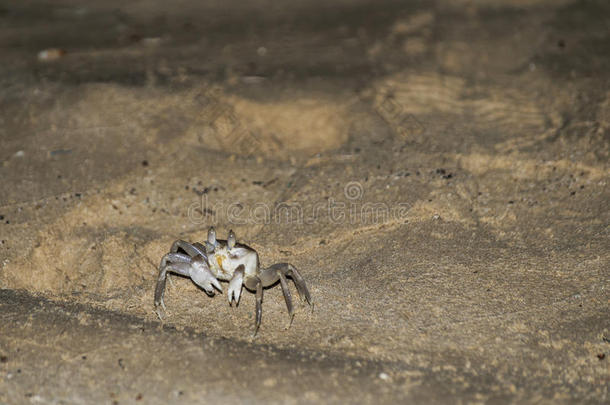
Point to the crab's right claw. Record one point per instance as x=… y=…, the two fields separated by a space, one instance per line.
x=203 y=277
x=216 y=284
x=209 y=284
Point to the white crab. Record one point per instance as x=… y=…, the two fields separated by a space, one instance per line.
x=227 y=260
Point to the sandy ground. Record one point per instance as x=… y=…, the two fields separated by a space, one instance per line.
x=438 y=171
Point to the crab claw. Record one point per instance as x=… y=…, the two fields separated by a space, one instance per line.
x=214 y=284
x=235 y=284
x=209 y=285
x=203 y=277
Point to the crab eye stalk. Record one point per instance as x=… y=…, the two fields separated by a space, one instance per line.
x=231 y=240
x=212 y=236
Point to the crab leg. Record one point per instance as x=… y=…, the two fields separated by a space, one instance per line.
x=176 y=263
x=254 y=283
x=271 y=274
x=280 y=271
x=299 y=282
x=259 y=305
x=192 y=250
x=287 y=297
x=194 y=267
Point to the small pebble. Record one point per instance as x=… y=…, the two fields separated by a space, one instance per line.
x=51 y=54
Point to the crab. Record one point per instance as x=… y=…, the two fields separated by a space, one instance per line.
x=226 y=260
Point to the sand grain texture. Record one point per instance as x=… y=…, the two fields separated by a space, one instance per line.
x=437 y=171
